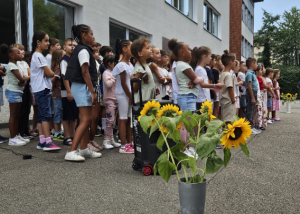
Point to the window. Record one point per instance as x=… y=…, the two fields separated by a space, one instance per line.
x=243 y=46
x=184 y=6
x=54 y=18
x=119 y=32
x=210 y=20
x=247 y=17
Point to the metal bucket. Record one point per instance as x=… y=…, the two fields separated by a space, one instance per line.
x=192 y=197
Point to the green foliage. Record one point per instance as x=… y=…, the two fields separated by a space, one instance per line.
x=289 y=78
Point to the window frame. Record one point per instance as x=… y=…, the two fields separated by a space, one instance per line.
x=208 y=21
x=172 y=4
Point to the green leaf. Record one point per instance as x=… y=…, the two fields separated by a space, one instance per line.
x=184 y=115
x=205 y=144
x=204 y=118
x=145 y=122
x=175 y=136
x=213 y=164
x=196 y=179
x=214 y=126
x=153 y=129
x=245 y=149
x=188 y=127
x=177 y=147
x=227 y=156
x=195 y=119
x=236 y=118
x=160 y=142
x=162 y=157
x=192 y=140
x=165 y=169
x=170 y=123
x=187 y=161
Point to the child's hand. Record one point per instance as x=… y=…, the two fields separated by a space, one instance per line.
x=146 y=79
x=130 y=101
x=253 y=101
x=69 y=97
x=161 y=79
x=94 y=99
x=191 y=84
x=157 y=92
x=215 y=89
x=220 y=85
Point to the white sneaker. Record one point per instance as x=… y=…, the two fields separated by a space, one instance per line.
x=74 y=156
x=22 y=139
x=192 y=151
x=114 y=143
x=258 y=130
x=254 y=131
x=269 y=122
x=88 y=153
x=107 y=144
x=188 y=153
x=16 y=142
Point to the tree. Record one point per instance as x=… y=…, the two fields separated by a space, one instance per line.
x=264 y=37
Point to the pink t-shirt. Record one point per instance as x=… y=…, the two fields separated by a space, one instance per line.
x=109 y=87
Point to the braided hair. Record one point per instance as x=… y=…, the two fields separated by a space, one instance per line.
x=120 y=43
x=77 y=30
x=38 y=35
x=6 y=50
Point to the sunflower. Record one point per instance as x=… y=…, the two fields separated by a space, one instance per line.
x=288 y=96
x=236 y=134
x=147 y=110
x=168 y=111
x=296 y=95
x=207 y=108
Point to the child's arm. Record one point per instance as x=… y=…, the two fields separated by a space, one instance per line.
x=136 y=85
x=240 y=83
x=270 y=89
x=87 y=78
x=108 y=81
x=22 y=81
x=154 y=69
x=253 y=101
x=125 y=87
x=231 y=94
x=48 y=72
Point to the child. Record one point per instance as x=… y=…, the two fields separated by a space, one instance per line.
x=251 y=93
x=53 y=45
x=141 y=50
x=216 y=73
x=242 y=76
x=237 y=83
x=269 y=76
x=227 y=94
x=122 y=72
x=56 y=94
x=201 y=56
x=2 y=75
x=70 y=110
x=13 y=92
x=95 y=109
x=187 y=80
x=82 y=72
x=276 y=90
x=110 y=101
x=163 y=72
x=25 y=106
x=175 y=86
x=41 y=85
x=211 y=78
x=260 y=121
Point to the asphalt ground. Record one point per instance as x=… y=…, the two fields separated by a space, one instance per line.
x=267 y=183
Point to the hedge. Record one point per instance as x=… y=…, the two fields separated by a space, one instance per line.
x=289 y=78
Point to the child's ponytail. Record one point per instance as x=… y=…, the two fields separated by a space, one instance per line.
x=77 y=30
x=107 y=59
x=37 y=36
x=197 y=54
x=120 y=43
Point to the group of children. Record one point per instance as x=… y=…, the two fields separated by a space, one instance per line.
x=74 y=87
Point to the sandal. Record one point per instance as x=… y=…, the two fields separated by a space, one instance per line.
x=68 y=141
x=262 y=128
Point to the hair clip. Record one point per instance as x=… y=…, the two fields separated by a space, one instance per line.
x=197 y=47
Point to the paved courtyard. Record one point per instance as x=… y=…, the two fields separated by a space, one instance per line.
x=268 y=183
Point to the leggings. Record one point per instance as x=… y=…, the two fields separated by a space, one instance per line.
x=111 y=112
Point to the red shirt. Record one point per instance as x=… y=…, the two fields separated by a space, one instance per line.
x=261 y=83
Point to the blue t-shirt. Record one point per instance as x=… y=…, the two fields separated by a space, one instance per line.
x=250 y=77
x=210 y=77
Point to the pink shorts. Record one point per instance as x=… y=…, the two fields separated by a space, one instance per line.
x=237 y=102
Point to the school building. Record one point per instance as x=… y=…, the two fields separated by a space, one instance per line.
x=218 y=24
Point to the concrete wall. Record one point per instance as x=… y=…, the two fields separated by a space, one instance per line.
x=247 y=34
x=156 y=18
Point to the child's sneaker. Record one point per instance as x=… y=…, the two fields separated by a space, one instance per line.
x=22 y=139
x=40 y=145
x=127 y=149
x=96 y=145
x=16 y=142
x=74 y=156
x=93 y=148
x=88 y=153
x=50 y=146
x=276 y=119
x=58 y=137
x=114 y=143
x=107 y=144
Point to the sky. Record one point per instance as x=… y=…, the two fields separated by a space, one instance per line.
x=275 y=7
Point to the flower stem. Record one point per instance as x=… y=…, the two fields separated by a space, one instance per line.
x=204 y=172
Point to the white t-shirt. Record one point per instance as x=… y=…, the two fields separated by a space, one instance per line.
x=63 y=69
x=175 y=86
x=23 y=67
x=119 y=68
x=37 y=80
x=242 y=76
x=83 y=57
x=162 y=88
x=48 y=59
x=237 y=91
x=204 y=93
x=268 y=80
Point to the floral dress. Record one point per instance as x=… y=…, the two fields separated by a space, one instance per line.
x=275 y=102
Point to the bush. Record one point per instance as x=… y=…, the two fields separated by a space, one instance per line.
x=289 y=78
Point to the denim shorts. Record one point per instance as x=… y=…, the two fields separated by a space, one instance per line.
x=43 y=102
x=269 y=102
x=58 y=110
x=81 y=94
x=1 y=96
x=243 y=101
x=13 y=97
x=187 y=102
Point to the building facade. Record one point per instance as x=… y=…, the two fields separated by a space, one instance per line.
x=196 y=22
x=242 y=27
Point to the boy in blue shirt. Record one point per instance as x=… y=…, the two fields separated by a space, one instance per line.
x=251 y=84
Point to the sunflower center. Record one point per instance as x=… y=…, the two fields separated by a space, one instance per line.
x=238 y=132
